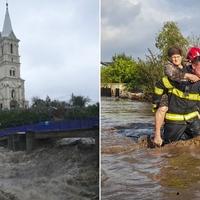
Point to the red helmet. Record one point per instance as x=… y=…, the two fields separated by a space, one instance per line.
x=193 y=53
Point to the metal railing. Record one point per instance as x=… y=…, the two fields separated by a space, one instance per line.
x=49 y=126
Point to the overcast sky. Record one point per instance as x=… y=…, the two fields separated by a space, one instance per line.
x=59 y=46
x=131 y=26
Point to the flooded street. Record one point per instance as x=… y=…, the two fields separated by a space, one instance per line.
x=67 y=169
x=129 y=172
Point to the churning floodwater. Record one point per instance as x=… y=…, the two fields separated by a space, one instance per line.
x=65 y=170
x=128 y=173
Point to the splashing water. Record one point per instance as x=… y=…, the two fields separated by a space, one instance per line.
x=131 y=172
x=60 y=171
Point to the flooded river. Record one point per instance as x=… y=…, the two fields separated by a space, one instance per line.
x=168 y=173
x=67 y=169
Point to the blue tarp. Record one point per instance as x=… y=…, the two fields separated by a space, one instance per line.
x=48 y=126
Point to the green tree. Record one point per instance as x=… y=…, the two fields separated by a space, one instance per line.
x=121 y=70
x=48 y=101
x=78 y=101
x=38 y=103
x=149 y=72
x=45 y=110
x=143 y=74
x=169 y=36
x=194 y=41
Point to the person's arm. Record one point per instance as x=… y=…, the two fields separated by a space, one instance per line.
x=159 y=91
x=191 y=77
x=159 y=120
x=160 y=108
x=176 y=74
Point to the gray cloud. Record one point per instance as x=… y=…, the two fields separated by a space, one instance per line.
x=142 y=20
x=116 y=13
x=59 y=46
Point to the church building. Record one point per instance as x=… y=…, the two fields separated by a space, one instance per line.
x=12 y=94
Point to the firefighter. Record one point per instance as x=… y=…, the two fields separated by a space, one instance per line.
x=181 y=119
x=175 y=71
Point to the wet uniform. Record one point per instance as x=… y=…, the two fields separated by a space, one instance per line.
x=181 y=120
x=174 y=73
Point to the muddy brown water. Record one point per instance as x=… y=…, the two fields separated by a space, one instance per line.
x=67 y=169
x=129 y=172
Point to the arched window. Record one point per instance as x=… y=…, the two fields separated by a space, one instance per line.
x=11 y=48
x=12 y=72
x=13 y=93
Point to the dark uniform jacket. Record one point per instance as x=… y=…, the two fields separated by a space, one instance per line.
x=183 y=98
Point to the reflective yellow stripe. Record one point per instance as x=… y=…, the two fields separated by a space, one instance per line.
x=178 y=117
x=154 y=108
x=166 y=82
x=158 y=91
x=190 y=96
x=179 y=93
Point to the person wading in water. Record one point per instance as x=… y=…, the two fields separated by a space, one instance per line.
x=178 y=74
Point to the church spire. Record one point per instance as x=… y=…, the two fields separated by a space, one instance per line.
x=7 y=27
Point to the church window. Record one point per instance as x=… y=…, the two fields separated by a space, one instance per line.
x=11 y=48
x=12 y=72
x=13 y=93
x=1 y=106
x=12 y=59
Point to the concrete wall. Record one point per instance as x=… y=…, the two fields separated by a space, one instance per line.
x=112 y=89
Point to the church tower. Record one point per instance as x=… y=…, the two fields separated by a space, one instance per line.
x=11 y=85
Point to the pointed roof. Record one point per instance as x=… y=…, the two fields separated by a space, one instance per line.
x=7 y=27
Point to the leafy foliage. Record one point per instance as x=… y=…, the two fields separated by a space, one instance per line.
x=78 y=101
x=194 y=41
x=46 y=110
x=142 y=74
x=169 y=36
x=121 y=70
x=149 y=71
